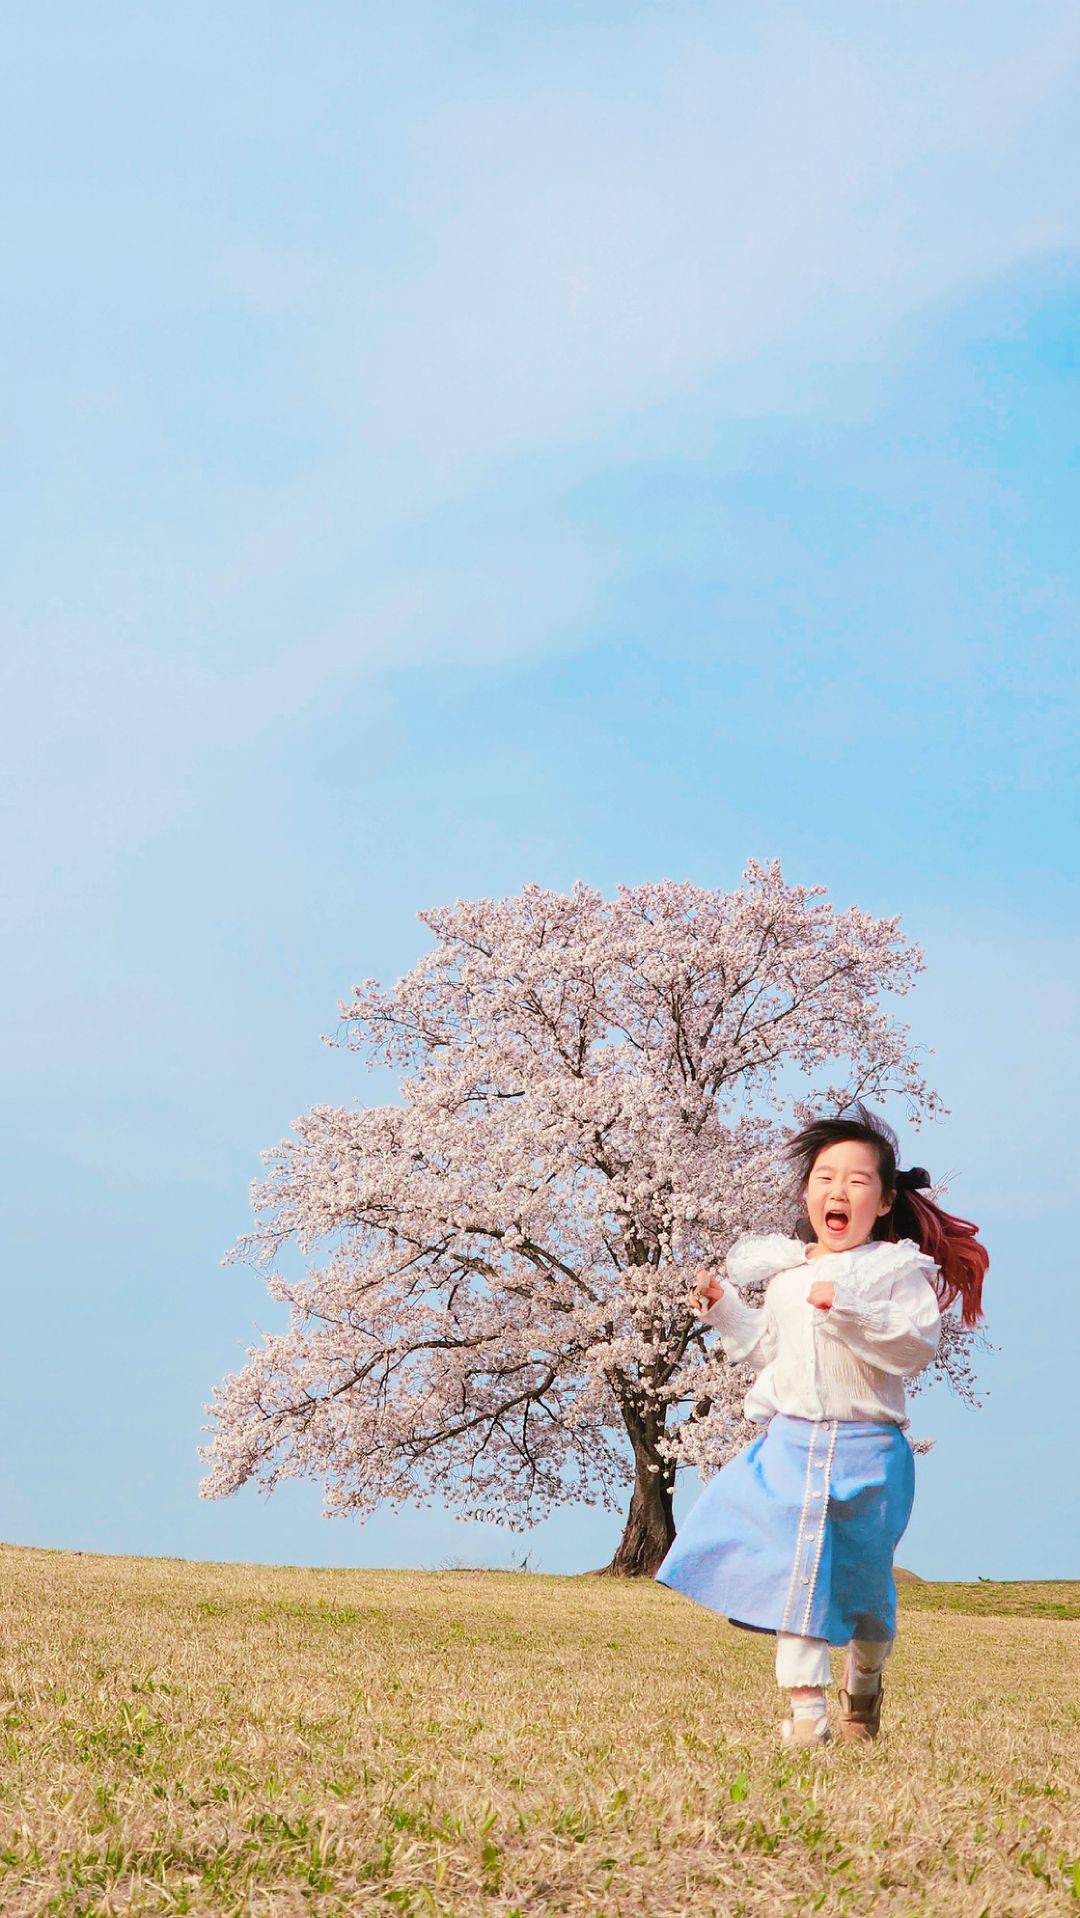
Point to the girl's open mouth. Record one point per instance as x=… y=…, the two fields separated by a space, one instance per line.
x=836 y=1223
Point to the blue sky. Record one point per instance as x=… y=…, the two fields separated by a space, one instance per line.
x=450 y=447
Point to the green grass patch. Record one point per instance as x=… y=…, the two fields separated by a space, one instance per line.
x=990 y=1598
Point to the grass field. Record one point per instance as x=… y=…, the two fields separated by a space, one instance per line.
x=239 y=1739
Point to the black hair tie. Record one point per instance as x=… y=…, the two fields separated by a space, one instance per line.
x=913 y=1181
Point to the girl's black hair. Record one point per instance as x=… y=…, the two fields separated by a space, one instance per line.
x=951 y=1242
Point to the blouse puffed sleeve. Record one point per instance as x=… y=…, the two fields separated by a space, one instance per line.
x=748 y=1333
x=760 y=1255
x=893 y=1321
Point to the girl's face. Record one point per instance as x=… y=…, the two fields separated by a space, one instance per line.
x=844 y=1195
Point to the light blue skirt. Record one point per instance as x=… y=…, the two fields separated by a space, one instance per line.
x=797 y=1532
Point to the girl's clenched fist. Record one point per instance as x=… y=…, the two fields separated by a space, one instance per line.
x=705 y=1290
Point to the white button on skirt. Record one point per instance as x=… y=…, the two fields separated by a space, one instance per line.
x=797 y=1532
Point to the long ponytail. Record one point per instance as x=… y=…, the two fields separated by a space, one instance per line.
x=951 y=1242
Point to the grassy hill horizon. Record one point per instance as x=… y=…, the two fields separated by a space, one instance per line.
x=17 y=1545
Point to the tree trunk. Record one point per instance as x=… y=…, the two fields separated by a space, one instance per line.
x=650 y=1522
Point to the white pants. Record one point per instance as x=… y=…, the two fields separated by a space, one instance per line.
x=805 y=1661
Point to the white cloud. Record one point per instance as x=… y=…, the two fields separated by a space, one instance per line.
x=531 y=245
x=109 y=741
x=709 y=193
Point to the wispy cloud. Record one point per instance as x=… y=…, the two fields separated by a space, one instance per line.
x=638 y=214
x=273 y=317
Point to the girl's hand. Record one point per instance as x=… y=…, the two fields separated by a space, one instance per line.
x=821 y=1294
x=706 y=1290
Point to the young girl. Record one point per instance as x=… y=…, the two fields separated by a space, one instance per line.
x=796 y=1534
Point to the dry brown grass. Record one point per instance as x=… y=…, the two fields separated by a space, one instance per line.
x=237 y=1739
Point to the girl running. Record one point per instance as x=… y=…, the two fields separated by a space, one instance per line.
x=796 y=1534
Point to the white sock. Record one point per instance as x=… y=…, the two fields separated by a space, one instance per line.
x=810 y=1705
x=863 y=1684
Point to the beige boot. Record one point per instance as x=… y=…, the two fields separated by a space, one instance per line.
x=860 y=1712
x=805 y=1731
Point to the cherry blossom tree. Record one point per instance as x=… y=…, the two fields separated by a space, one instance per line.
x=589 y=1110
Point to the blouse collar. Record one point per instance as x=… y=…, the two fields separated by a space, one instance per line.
x=868 y=1245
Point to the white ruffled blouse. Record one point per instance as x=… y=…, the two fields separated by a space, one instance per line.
x=850 y=1362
